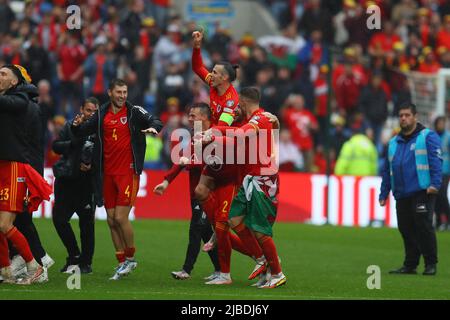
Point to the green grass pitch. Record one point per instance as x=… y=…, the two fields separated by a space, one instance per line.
x=319 y=262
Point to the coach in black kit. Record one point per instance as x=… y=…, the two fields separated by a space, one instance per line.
x=74 y=192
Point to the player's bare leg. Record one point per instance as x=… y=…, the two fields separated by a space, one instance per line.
x=121 y=218
x=119 y=244
x=277 y=277
x=35 y=272
x=117 y=240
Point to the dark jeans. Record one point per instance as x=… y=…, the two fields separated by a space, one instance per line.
x=415 y=223
x=199 y=229
x=75 y=196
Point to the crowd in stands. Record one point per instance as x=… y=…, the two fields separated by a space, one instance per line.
x=146 y=43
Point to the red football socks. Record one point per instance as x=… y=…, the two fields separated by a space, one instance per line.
x=4 y=252
x=270 y=252
x=236 y=244
x=249 y=240
x=223 y=246
x=21 y=244
x=120 y=256
x=129 y=252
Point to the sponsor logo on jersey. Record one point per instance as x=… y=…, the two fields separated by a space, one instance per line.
x=230 y=103
x=21 y=179
x=113 y=121
x=218 y=108
x=123 y=120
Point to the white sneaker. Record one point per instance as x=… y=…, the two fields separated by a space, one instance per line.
x=221 y=279
x=35 y=274
x=47 y=261
x=261 y=266
x=18 y=265
x=71 y=269
x=127 y=267
x=44 y=277
x=275 y=281
x=210 y=244
x=263 y=278
x=116 y=275
x=213 y=275
x=180 y=275
x=6 y=275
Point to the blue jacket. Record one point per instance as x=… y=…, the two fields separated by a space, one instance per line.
x=404 y=168
x=445 y=138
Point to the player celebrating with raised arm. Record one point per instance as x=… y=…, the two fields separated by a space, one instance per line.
x=119 y=151
x=222 y=94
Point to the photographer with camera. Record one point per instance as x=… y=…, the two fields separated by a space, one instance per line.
x=74 y=192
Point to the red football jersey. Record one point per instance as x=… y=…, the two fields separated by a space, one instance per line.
x=222 y=107
x=264 y=157
x=117 y=152
x=299 y=122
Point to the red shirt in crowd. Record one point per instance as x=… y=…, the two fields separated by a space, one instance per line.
x=99 y=84
x=383 y=41
x=348 y=88
x=443 y=39
x=432 y=67
x=299 y=123
x=71 y=58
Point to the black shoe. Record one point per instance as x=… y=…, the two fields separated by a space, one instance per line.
x=70 y=261
x=404 y=270
x=430 y=270
x=85 y=268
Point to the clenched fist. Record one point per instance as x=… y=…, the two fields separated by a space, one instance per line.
x=198 y=37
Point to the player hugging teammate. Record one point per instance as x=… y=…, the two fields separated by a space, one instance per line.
x=249 y=209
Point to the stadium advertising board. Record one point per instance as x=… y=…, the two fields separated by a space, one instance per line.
x=352 y=201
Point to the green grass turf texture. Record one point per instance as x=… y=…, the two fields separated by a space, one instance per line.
x=320 y=262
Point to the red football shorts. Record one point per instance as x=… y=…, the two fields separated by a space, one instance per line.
x=120 y=190
x=224 y=195
x=12 y=186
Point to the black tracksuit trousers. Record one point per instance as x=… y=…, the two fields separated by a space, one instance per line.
x=415 y=223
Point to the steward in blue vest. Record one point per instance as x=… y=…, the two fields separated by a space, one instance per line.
x=413 y=171
x=414 y=163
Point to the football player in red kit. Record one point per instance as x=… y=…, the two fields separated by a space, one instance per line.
x=253 y=210
x=222 y=94
x=20 y=185
x=119 y=152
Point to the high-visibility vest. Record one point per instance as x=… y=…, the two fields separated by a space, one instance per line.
x=421 y=156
